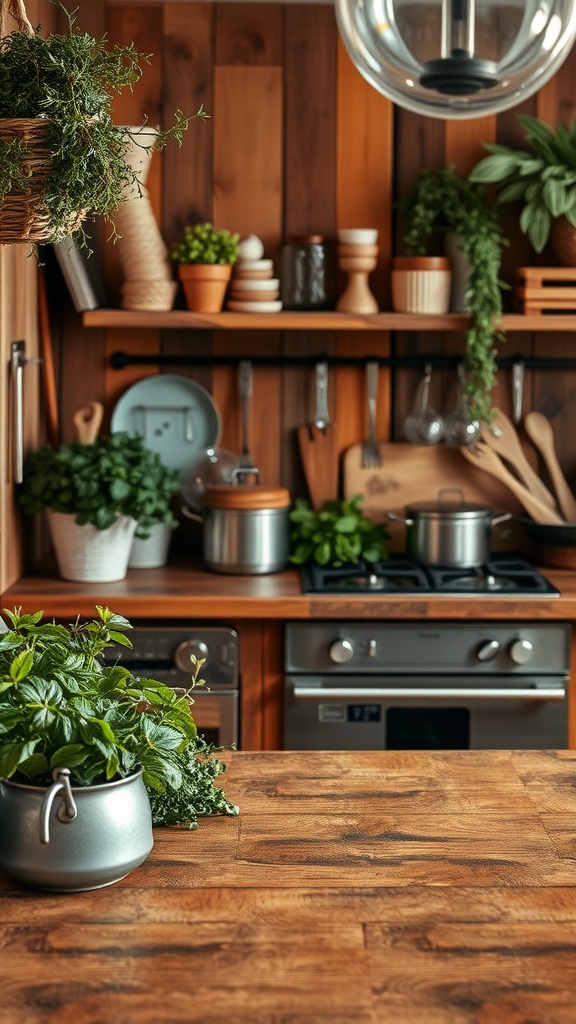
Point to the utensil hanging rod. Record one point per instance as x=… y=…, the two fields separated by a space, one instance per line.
x=119 y=360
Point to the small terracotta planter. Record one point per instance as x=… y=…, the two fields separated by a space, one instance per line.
x=205 y=285
x=421 y=284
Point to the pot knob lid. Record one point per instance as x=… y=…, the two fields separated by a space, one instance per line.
x=246 y=496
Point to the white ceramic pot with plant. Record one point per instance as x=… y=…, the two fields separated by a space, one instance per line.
x=99 y=497
x=205 y=257
x=90 y=756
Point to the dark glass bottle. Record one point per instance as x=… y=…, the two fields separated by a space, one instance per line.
x=307 y=275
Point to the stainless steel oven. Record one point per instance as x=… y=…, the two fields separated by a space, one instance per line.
x=163 y=653
x=430 y=685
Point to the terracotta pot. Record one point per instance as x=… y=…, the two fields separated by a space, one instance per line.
x=421 y=284
x=563 y=242
x=205 y=285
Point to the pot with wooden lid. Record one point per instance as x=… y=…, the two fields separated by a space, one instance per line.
x=246 y=528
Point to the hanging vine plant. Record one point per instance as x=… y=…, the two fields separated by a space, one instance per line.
x=62 y=159
x=442 y=200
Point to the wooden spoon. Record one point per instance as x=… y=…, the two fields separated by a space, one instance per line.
x=539 y=430
x=87 y=421
x=508 y=446
x=481 y=456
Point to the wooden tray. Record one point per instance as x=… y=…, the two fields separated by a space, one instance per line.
x=412 y=473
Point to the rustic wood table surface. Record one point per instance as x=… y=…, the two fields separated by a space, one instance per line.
x=354 y=888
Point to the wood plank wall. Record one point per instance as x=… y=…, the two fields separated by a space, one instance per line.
x=297 y=141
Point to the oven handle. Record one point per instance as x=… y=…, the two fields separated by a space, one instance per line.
x=438 y=693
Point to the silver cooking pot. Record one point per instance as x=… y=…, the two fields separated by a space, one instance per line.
x=449 y=532
x=246 y=528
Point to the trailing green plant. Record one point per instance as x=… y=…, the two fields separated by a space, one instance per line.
x=61 y=704
x=97 y=482
x=336 y=534
x=70 y=79
x=442 y=200
x=202 y=243
x=543 y=176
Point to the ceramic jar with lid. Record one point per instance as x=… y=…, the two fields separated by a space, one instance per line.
x=307 y=274
x=246 y=528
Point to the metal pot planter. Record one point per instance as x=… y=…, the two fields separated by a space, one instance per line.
x=449 y=533
x=68 y=839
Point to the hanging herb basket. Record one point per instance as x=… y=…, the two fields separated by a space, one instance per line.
x=62 y=159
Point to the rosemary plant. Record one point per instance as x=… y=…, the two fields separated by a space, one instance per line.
x=443 y=200
x=70 y=79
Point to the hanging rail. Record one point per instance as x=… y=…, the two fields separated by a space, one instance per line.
x=119 y=360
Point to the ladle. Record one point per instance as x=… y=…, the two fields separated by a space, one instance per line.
x=424 y=425
x=459 y=427
x=502 y=437
x=539 y=430
x=481 y=456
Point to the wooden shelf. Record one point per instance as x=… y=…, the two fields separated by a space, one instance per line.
x=180 y=319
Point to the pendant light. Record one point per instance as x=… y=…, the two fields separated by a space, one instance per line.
x=457 y=58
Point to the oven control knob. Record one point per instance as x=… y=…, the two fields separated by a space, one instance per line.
x=184 y=652
x=342 y=651
x=521 y=651
x=488 y=650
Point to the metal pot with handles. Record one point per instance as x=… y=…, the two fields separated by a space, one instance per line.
x=246 y=528
x=449 y=532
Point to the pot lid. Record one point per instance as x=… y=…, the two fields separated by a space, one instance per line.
x=448 y=509
x=246 y=496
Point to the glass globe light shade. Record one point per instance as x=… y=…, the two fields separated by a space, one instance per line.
x=457 y=58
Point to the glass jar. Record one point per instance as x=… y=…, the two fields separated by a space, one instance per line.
x=307 y=275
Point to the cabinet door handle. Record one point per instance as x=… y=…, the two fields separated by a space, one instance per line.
x=17 y=363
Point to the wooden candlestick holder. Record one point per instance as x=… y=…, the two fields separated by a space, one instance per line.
x=358 y=262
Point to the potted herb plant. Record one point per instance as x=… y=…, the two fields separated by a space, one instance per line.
x=62 y=158
x=91 y=756
x=336 y=534
x=443 y=201
x=205 y=257
x=98 y=498
x=543 y=178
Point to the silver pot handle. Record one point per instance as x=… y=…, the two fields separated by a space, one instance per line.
x=399 y=519
x=450 y=490
x=500 y=517
x=67 y=810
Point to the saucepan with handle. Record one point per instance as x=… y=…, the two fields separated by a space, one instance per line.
x=449 y=531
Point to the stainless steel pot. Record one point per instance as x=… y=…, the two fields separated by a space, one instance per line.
x=447 y=532
x=68 y=839
x=246 y=528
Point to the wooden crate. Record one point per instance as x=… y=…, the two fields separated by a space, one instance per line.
x=544 y=289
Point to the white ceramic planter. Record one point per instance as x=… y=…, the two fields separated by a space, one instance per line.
x=87 y=555
x=421 y=284
x=153 y=551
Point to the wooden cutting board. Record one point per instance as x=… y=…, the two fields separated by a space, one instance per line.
x=412 y=473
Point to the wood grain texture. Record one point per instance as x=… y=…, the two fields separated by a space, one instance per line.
x=341 y=894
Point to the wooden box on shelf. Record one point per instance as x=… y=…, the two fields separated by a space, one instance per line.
x=543 y=289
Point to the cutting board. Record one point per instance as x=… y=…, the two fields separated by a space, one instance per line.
x=412 y=473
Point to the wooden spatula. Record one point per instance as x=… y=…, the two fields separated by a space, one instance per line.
x=504 y=440
x=317 y=441
x=539 y=430
x=483 y=457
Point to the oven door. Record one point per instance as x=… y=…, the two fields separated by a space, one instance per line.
x=425 y=713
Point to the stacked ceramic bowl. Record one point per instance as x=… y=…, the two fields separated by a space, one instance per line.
x=253 y=288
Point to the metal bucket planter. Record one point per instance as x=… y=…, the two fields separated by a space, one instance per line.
x=69 y=839
x=88 y=555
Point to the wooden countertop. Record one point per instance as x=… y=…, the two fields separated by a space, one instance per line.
x=187 y=591
x=354 y=888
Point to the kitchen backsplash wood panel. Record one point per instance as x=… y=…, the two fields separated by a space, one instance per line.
x=297 y=141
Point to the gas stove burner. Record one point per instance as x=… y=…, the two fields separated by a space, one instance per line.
x=476 y=584
x=503 y=574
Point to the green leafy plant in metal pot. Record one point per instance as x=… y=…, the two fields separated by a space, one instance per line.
x=336 y=534
x=61 y=704
x=69 y=79
x=97 y=482
x=442 y=200
x=202 y=243
x=543 y=176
